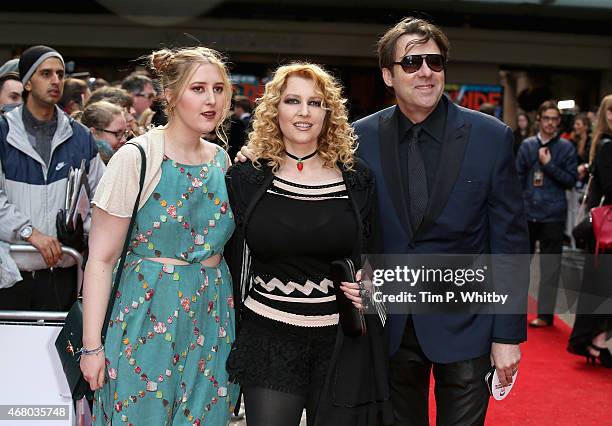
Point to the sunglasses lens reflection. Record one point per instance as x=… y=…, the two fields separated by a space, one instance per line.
x=413 y=63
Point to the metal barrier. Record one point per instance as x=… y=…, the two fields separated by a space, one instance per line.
x=29 y=248
x=25 y=327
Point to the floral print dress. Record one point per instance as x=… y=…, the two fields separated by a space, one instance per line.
x=172 y=326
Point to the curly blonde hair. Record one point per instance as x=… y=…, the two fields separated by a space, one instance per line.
x=337 y=140
x=173 y=69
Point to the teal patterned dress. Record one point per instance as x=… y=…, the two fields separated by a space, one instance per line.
x=172 y=327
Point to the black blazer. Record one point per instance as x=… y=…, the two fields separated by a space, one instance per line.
x=356 y=390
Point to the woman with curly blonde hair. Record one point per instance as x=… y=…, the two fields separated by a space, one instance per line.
x=303 y=202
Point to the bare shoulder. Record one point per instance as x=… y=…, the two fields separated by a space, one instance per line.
x=216 y=152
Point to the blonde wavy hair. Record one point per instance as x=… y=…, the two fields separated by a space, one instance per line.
x=337 y=140
x=174 y=68
x=602 y=125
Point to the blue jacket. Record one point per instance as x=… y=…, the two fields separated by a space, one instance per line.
x=475 y=207
x=30 y=192
x=547 y=203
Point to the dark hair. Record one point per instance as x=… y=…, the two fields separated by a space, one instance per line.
x=113 y=95
x=8 y=76
x=98 y=83
x=487 y=108
x=244 y=103
x=73 y=92
x=136 y=82
x=424 y=29
x=546 y=105
x=585 y=120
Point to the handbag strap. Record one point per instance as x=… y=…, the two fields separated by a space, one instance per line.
x=586 y=194
x=111 y=302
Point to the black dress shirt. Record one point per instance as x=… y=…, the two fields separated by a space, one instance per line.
x=430 y=141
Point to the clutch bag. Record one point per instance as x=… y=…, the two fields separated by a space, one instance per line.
x=352 y=320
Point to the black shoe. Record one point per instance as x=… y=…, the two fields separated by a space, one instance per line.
x=539 y=323
x=604 y=357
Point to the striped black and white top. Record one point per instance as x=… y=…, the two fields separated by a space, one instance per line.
x=294 y=233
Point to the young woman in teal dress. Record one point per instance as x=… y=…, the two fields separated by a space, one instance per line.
x=172 y=323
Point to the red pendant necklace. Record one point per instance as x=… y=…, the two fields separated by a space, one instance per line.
x=300 y=160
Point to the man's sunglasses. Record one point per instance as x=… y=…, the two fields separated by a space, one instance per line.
x=412 y=63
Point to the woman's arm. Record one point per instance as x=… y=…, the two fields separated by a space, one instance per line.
x=106 y=240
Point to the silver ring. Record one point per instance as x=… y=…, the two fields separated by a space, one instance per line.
x=364 y=292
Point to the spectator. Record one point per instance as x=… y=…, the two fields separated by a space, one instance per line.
x=107 y=123
x=12 y=65
x=39 y=144
x=140 y=87
x=121 y=98
x=154 y=116
x=581 y=138
x=75 y=96
x=547 y=167
x=98 y=83
x=523 y=130
x=10 y=89
x=590 y=330
x=243 y=108
x=114 y=95
x=488 y=108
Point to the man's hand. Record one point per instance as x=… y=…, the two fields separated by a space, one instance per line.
x=244 y=154
x=49 y=247
x=544 y=154
x=505 y=357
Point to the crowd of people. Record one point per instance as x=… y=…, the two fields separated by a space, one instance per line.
x=226 y=287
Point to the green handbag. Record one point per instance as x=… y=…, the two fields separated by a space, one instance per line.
x=69 y=342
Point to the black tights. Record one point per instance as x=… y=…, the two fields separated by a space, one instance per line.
x=267 y=407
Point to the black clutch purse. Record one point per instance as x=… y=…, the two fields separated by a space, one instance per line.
x=352 y=320
x=69 y=342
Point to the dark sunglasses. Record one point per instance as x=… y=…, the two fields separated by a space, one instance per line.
x=412 y=63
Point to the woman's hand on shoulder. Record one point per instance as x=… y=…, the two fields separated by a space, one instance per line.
x=244 y=155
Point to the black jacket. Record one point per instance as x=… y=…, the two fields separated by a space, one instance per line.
x=356 y=387
x=602 y=173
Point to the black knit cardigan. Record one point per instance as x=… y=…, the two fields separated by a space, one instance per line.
x=356 y=389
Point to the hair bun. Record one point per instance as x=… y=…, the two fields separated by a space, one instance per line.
x=160 y=60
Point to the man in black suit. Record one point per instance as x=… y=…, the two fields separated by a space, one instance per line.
x=446 y=183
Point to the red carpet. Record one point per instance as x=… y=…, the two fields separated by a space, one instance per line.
x=553 y=387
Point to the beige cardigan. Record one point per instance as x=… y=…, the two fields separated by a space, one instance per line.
x=118 y=188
